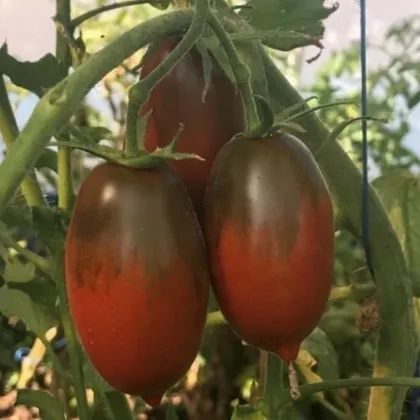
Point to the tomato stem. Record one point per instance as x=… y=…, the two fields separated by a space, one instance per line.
x=62 y=52
x=242 y=75
x=140 y=92
x=9 y=131
x=70 y=334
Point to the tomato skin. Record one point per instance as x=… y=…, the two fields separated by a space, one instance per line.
x=137 y=277
x=207 y=126
x=269 y=227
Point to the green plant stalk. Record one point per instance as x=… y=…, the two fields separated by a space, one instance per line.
x=9 y=130
x=59 y=103
x=70 y=334
x=140 y=92
x=309 y=389
x=62 y=52
x=39 y=262
x=108 y=7
x=119 y=405
x=241 y=72
x=396 y=349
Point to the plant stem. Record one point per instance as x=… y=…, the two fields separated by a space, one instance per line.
x=95 y=12
x=9 y=130
x=309 y=389
x=140 y=92
x=58 y=104
x=241 y=72
x=119 y=405
x=65 y=185
x=38 y=261
x=70 y=334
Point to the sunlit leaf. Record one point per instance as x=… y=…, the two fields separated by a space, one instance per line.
x=301 y=16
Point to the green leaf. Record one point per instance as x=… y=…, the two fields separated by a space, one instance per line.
x=275 y=390
x=14 y=302
x=47 y=159
x=291 y=413
x=49 y=407
x=17 y=271
x=321 y=348
x=399 y=192
x=119 y=406
x=246 y=412
x=42 y=292
x=33 y=76
x=301 y=16
x=170 y=413
x=91 y=135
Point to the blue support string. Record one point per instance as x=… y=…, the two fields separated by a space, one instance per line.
x=365 y=179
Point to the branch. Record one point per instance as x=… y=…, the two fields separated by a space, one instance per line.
x=39 y=262
x=140 y=92
x=57 y=105
x=95 y=12
x=241 y=72
x=9 y=130
x=62 y=53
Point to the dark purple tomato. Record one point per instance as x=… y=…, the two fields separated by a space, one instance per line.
x=207 y=125
x=137 y=277
x=269 y=227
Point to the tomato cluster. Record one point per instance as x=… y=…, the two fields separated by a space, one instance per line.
x=138 y=267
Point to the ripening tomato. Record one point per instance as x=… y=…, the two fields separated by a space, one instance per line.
x=208 y=124
x=137 y=277
x=269 y=227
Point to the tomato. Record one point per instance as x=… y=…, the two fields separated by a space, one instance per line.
x=207 y=125
x=270 y=231
x=137 y=277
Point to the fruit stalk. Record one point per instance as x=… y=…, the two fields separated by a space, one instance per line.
x=70 y=334
x=242 y=75
x=9 y=131
x=140 y=91
x=62 y=53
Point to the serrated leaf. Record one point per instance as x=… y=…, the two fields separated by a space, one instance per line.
x=49 y=407
x=301 y=16
x=18 y=271
x=14 y=302
x=33 y=76
x=399 y=192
